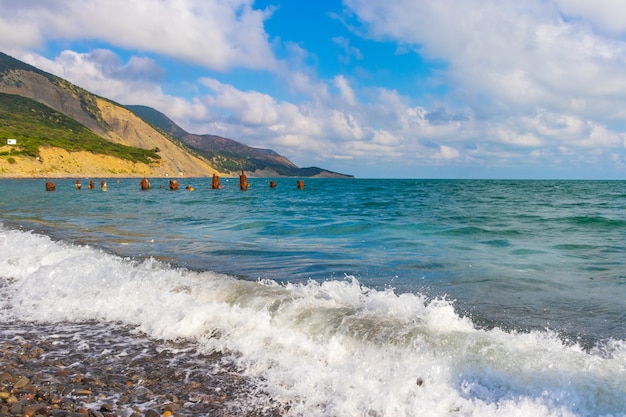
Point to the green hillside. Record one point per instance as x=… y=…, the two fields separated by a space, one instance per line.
x=34 y=124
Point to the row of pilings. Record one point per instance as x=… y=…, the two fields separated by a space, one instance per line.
x=174 y=185
x=51 y=186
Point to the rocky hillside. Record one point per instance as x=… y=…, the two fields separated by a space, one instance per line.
x=57 y=135
x=228 y=155
x=104 y=118
x=41 y=141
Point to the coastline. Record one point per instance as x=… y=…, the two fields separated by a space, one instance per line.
x=104 y=370
x=59 y=163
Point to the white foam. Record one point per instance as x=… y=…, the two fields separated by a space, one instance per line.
x=331 y=348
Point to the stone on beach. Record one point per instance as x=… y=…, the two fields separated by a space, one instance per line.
x=41 y=376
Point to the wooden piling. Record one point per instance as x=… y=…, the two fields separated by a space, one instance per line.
x=144 y=184
x=243 y=181
x=215 y=183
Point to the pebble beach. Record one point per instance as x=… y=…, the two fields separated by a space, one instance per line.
x=74 y=370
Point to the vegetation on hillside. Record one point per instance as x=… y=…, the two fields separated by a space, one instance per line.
x=34 y=125
x=87 y=100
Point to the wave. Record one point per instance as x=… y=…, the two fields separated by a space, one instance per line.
x=477 y=231
x=325 y=348
x=594 y=222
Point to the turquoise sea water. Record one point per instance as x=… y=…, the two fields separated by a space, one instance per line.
x=448 y=278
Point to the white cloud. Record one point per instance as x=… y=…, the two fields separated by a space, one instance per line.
x=307 y=86
x=516 y=137
x=347 y=93
x=605 y=15
x=229 y=33
x=346 y=126
x=509 y=55
x=246 y=107
x=446 y=152
x=384 y=138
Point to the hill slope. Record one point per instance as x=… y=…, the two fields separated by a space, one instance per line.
x=228 y=155
x=142 y=140
x=104 y=118
x=45 y=144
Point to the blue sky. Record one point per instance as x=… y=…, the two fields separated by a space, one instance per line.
x=402 y=88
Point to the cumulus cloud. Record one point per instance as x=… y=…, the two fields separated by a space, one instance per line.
x=301 y=83
x=514 y=53
x=229 y=33
x=530 y=74
x=347 y=93
x=446 y=152
x=105 y=64
x=604 y=15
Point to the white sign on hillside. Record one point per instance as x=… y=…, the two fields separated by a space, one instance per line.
x=11 y=141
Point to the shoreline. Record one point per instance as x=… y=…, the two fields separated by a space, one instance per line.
x=104 y=370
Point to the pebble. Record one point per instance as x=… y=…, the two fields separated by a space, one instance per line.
x=121 y=375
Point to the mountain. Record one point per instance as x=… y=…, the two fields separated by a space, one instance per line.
x=38 y=150
x=229 y=155
x=58 y=129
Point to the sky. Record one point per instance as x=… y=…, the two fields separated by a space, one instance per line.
x=377 y=89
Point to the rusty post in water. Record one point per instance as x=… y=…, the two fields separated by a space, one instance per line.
x=215 y=183
x=145 y=184
x=243 y=181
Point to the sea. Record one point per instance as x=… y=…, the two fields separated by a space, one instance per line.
x=350 y=297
